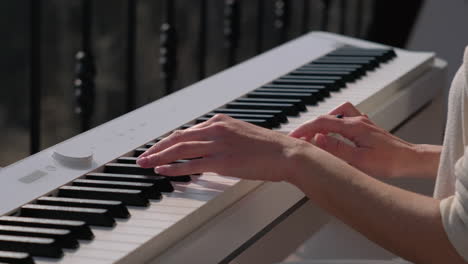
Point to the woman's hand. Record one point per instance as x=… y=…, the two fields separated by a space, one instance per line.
x=376 y=151
x=226 y=146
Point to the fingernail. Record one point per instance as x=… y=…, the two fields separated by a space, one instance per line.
x=161 y=169
x=142 y=161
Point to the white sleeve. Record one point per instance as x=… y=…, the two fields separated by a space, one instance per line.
x=454 y=209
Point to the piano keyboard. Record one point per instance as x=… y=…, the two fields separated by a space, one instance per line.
x=86 y=201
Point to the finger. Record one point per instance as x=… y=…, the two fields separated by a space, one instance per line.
x=194 y=134
x=187 y=168
x=346 y=109
x=348 y=127
x=336 y=147
x=183 y=150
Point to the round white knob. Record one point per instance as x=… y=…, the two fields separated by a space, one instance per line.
x=78 y=159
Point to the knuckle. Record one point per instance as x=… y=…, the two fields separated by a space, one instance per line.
x=347 y=104
x=219 y=128
x=362 y=119
x=358 y=125
x=220 y=117
x=353 y=123
x=322 y=119
x=177 y=134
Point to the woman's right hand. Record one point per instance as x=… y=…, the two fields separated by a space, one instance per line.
x=376 y=151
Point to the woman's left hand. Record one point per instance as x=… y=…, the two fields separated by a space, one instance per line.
x=225 y=146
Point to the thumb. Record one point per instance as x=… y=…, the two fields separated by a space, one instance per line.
x=336 y=147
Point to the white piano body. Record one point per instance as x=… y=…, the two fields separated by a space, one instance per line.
x=219 y=219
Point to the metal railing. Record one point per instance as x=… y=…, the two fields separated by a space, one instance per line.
x=272 y=23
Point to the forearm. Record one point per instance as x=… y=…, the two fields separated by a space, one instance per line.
x=405 y=223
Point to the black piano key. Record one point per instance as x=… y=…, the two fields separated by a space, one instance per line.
x=379 y=57
x=312 y=94
x=129 y=168
x=35 y=246
x=338 y=79
x=135 y=169
x=79 y=228
x=307 y=98
x=315 y=77
x=186 y=126
x=287 y=109
x=366 y=59
x=327 y=83
x=282 y=118
x=273 y=121
x=354 y=73
x=161 y=182
x=149 y=144
x=331 y=85
x=149 y=190
x=139 y=151
x=359 y=70
x=298 y=104
x=115 y=208
x=64 y=237
x=258 y=122
x=369 y=63
x=347 y=76
x=92 y=216
x=366 y=64
x=128 y=160
x=321 y=90
x=133 y=160
x=331 y=66
x=386 y=54
x=128 y=197
x=15 y=257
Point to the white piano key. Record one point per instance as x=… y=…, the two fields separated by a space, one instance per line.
x=138 y=230
x=116 y=235
x=94 y=253
x=107 y=245
x=145 y=223
x=71 y=260
x=201 y=190
x=143 y=214
x=156 y=208
x=189 y=197
x=178 y=200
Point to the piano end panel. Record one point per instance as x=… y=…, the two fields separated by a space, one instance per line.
x=286 y=236
x=402 y=106
x=428 y=123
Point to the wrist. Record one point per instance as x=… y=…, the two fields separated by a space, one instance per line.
x=297 y=157
x=426 y=161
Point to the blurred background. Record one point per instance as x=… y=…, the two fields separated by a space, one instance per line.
x=67 y=66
